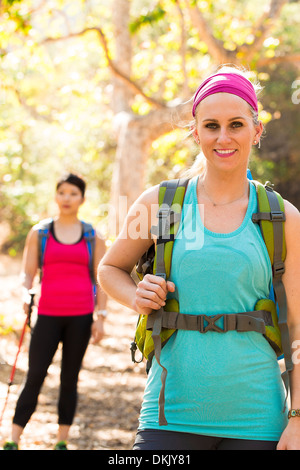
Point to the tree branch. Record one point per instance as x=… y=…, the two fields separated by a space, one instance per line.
x=262 y=29
x=292 y=58
x=215 y=46
x=246 y=52
x=114 y=69
x=30 y=109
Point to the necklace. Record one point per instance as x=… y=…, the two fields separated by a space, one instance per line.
x=215 y=204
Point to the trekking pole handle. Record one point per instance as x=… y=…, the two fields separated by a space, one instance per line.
x=31 y=304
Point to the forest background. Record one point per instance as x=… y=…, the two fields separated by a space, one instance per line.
x=103 y=88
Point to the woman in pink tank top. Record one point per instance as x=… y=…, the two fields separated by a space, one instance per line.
x=70 y=310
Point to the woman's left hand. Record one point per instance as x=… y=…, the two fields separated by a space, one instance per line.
x=97 y=330
x=290 y=438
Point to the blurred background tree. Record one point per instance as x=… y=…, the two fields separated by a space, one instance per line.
x=103 y=88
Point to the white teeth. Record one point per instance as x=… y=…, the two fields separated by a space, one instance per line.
x=224 y=151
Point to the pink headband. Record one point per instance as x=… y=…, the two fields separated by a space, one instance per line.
x=233 y=83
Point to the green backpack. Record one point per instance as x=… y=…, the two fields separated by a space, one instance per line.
x=153 y=331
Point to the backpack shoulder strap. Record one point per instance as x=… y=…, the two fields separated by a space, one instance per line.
x=171 y=197
x=271 y=218
x=89 y=234
x=43 y=229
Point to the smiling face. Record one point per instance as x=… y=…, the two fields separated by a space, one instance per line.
x=226 y=131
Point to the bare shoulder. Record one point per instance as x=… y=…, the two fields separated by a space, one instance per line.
x=292 y=226
x=292 y=213
x=32 y=236
x=143 y=211
x=149 y=197
x=34 y=232
x=135 y=236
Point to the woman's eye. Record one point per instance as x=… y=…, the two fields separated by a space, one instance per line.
x=236 y=124
x=211 y=125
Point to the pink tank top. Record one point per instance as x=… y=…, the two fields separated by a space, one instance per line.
x=66 y=288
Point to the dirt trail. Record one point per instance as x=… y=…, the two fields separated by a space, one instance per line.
x=110 y=386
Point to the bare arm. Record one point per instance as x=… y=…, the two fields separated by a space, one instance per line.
x=29 y=264
x=101 y=297
x=291 y=279
x=116 y=266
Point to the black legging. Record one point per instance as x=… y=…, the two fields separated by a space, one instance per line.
x=74 y=333
x=157 y=439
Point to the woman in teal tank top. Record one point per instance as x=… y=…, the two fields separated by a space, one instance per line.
x=237 y=375
x=223 y=391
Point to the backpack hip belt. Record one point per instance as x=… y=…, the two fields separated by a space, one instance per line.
x=256 y=321
x=241 y=322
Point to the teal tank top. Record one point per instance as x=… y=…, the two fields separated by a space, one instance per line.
x=218 y=384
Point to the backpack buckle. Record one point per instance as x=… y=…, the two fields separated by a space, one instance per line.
x=166 y=213
x=164 y=222
x=163 y=211
x=278 y=269
x=277 y=216
x=273 y=216
x=163 y=275
x=133 y=349
x=211 y=326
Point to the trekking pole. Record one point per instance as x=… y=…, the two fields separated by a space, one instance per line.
x=11 y=378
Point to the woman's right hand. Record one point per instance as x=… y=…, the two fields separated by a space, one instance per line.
x=26 y=298
x=25 y=308
x=151 y=293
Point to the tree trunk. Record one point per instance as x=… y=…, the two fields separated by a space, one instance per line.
x=121 y=95
x=135 y=135
x=128 y=174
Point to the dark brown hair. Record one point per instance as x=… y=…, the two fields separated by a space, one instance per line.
x=71 y=178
